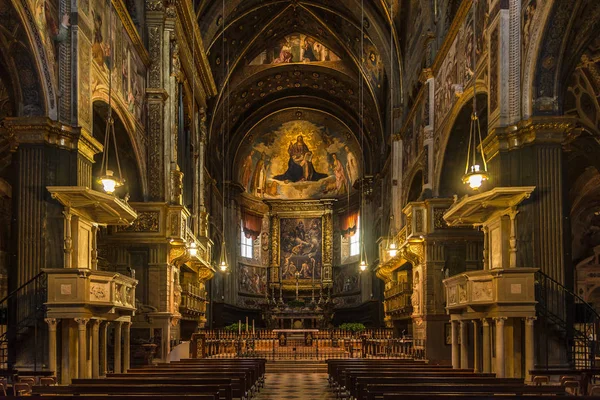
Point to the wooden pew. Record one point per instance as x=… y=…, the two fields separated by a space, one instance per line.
x=128 y=397
x=474 y=396
x=126 y=389
x=377 y=392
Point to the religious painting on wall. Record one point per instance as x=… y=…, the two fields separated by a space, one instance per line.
x=345 y=279
x=253 y=279
x=293 y=49
x=299 y=159
x=113 y=49
x=301 y=248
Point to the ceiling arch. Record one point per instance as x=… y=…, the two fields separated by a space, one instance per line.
x=241 y=31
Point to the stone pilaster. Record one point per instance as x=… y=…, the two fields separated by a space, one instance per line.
x=117 y=347
x=52 y=323
x=82 y=344
x=96 y=348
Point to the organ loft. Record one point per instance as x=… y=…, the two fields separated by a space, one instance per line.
x=295 y=198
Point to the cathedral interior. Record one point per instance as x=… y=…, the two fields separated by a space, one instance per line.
x=183 y=175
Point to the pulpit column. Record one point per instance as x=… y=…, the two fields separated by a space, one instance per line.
x=52 y=322
x=126 y=346
x=455 y=353
x=103 y=353
x=82 y=342
x=476 y=347
x=464 y=353
x=96 y=348
x=117 y=366
x=500 y=361
x=529 y=346
x=487 y=349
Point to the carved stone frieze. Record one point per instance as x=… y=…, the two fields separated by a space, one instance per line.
x=482 y=291
x=147 y=221
x=154 y=43
x=155 y=5
x=155 y=150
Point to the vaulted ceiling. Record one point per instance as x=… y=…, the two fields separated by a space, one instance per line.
x=236 y=32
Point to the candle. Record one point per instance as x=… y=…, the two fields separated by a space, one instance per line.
x=252 y=327
x=240 y=327
x=246 y=324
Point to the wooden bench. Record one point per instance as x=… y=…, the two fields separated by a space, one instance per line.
x=473 y=396
x=377 y=392
x=124 y=390
x=128 y=397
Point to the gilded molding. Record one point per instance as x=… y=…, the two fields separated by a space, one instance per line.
x=547 y=129
x=131 y=31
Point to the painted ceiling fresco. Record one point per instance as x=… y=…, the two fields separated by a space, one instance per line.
x=295 y=48
x=299 y=159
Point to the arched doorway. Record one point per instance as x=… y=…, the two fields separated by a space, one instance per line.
x=415 y=188
x=455 y=153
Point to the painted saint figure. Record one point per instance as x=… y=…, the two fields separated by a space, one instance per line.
x=259 y=179
x=340 y=176
x=300 y=166
x=351 y=166
x=247 y=171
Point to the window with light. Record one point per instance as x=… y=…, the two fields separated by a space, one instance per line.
x=246 y=245
x=355 y=240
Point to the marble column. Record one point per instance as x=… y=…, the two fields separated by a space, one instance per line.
x=476 y=347
x=52 y=322
x=464 y=349
x=103 y=346
x=500 y=361
x=117 y=347
x=455 y=353
x=82 y=342
x=486 y=346
x=529 y=346
x=96 y=348
x=126 y=346
x=166 y=339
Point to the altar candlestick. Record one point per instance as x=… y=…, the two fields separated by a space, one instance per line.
x=252 y=327
x=240 y=327
x=246 y=324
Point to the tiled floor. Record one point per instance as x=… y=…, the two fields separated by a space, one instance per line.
x=301 y=385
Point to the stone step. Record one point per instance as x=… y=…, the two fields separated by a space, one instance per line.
x=296 y=366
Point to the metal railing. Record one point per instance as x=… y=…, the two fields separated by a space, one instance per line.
x=568 y=318
x=22 y=314
x=315 y=349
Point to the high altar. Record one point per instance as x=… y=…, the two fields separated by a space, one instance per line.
x=300 y=267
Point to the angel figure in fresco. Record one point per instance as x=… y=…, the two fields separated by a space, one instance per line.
x=308 y=53
x=259 y=179
x=340 y=176
x=351 y=166
x=285 y=54
x=246 y=171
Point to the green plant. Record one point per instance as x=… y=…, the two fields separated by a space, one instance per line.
x=235 y=327
x=353 y=326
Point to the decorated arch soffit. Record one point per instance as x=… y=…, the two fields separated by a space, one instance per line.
x=298 y=153
x=305 y=46
x=23 y=51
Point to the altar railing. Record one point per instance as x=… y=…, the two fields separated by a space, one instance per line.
x=382 y=333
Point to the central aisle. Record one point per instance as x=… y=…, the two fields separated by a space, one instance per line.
x=295 y=385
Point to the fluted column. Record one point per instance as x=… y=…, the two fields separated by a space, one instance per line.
x=529 y=346
x=476 y=347
x=95 y=348
x=103 y=348
x=52 y=323
x=455 y=353
x=82 y=342
x=500 y=360
x=486 y=346
x=126 y=346
x=117 y=347
x=464 y=349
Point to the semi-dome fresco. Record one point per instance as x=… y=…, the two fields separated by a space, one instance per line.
x=299 y=159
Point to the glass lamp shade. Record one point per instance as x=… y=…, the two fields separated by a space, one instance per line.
x=109 y=182
x=223 y=266
x=362 y=266
x=392 y=250
x=193 y=249
x=475 y=177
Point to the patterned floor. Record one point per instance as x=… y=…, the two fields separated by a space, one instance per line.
x=309 y=386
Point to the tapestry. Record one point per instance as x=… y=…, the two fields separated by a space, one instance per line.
x=301 y=248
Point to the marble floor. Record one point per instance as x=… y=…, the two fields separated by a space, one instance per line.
x=295 y=385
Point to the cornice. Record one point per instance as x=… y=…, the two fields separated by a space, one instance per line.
x=131 y=31
x=536 y=130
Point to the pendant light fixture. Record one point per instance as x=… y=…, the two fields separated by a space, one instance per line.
x=363 y=265
x=391 y=244
x=223 y=264
x=475 y=173
x=109 y=181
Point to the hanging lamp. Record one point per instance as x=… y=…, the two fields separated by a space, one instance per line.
x=223 y=264
x=109 y=181
x=392 y=248
x=475 y=173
